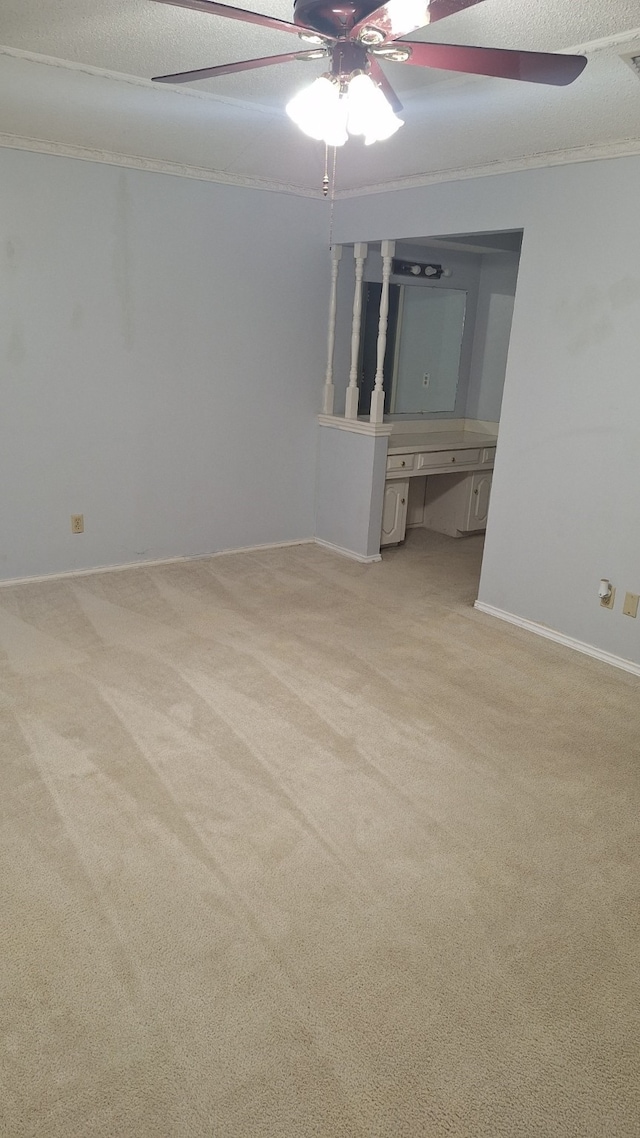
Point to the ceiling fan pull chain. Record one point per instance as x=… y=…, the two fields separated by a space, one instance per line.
x=333 y=193
x=325 y=180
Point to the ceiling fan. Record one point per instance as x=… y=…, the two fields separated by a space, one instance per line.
x=355 y=96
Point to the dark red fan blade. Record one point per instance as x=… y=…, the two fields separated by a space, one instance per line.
x=230 y=68
x=215 y=9
x=396 y=18
x=531 y=66
x=378 y=75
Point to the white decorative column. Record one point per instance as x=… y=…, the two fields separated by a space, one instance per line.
x=351 y=405
x=329 y=388
x=388 y=248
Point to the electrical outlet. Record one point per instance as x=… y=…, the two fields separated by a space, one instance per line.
x=77 y=523
x=607 y=602
x=630 y=607
x=426 y=379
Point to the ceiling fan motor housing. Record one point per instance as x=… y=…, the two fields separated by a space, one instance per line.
x=348 y=56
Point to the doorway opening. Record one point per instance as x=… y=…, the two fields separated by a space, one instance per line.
x=450 y=315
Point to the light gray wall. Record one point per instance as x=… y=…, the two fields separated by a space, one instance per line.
x=350 y=488
x=492 y=332
x=163 y=344
x=564 y=509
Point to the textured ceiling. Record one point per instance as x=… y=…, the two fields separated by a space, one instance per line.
x=234 y=127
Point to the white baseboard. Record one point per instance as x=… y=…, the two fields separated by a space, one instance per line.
x=348 y=552
x=560 y=638
x=151 y=564
x=257 y=548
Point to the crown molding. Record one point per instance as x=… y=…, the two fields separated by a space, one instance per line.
x=621 y=148
x=624 y=148
x=151 y=165
x=618 y=40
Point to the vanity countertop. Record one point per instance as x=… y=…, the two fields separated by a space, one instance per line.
x=439 y=440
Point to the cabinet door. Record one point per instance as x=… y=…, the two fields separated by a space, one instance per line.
x=394 y=512
x=479 y=501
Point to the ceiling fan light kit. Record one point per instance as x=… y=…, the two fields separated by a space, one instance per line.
x=355 y=97
x=369 y=112
x=333 y=108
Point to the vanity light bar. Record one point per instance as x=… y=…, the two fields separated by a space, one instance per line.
x=417 y=269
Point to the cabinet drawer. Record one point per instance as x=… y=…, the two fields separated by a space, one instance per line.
x=400 y=461
x=447 y=458
x=488 y=455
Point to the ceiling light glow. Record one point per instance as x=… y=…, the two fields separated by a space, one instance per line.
x=330 y=111
x=369 y=112
x=404 y=13
x=320 y=112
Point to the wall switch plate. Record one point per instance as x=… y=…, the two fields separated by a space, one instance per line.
x=607 y=602
x=630 y=607
x=77 y=523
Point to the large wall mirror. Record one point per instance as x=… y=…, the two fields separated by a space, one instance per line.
x=447 y=337
x=426 y=365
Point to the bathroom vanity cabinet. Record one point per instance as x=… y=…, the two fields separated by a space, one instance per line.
x=454 y=469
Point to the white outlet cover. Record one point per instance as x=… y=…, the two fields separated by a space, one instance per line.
x=630 y=607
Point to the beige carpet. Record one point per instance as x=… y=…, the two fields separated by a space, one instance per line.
x=293 y=847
